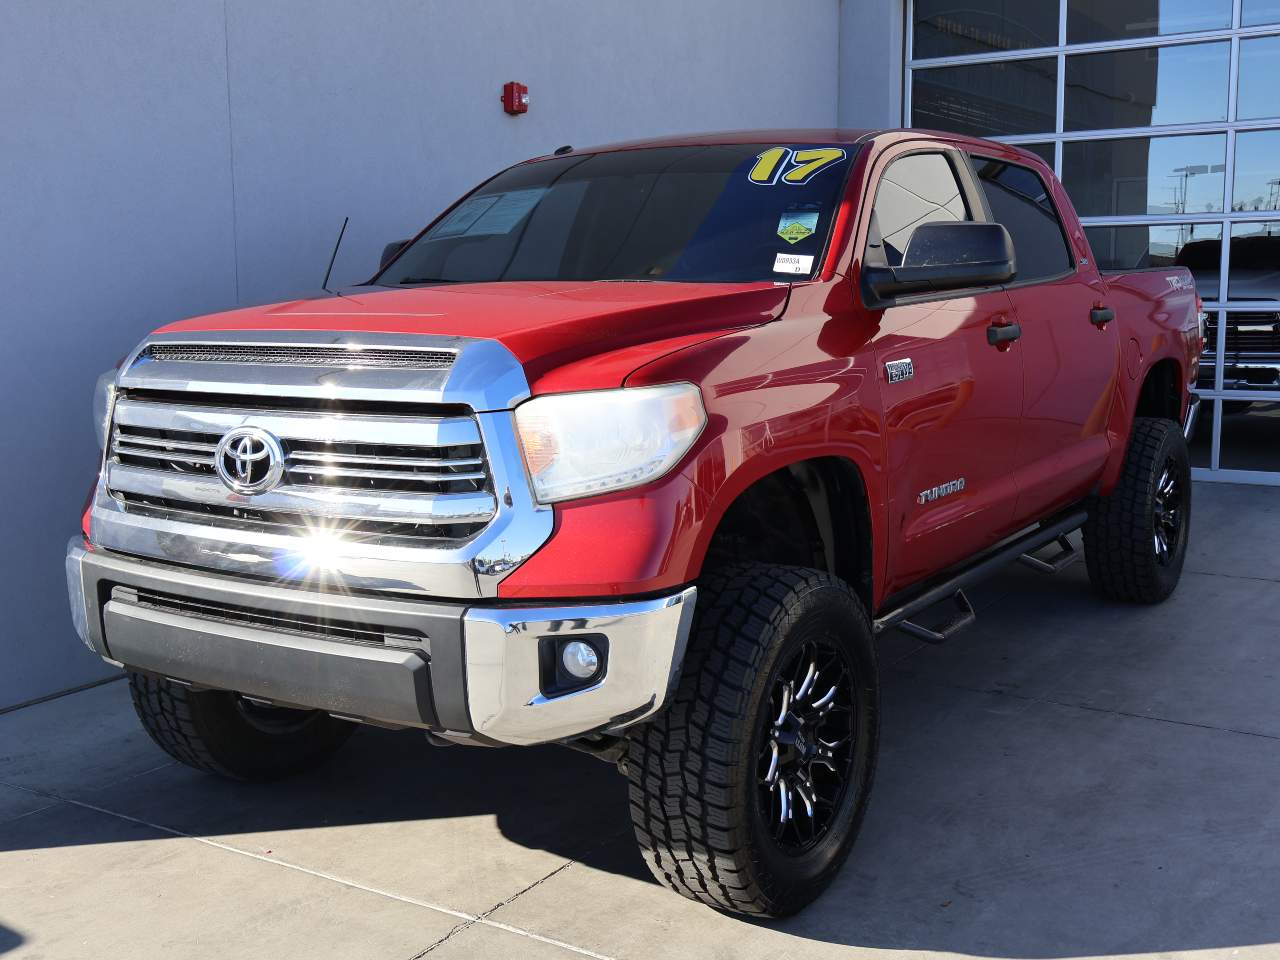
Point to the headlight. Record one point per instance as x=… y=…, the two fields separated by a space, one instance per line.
x=581 y=444
x=103 y=394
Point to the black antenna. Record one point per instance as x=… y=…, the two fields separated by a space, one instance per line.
x=325 y=286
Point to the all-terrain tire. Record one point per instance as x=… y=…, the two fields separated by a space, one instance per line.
x=1149 y=508
x=217 y=732
x=698 y=800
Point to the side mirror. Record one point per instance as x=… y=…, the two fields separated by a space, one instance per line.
x=389 y=252
x=946 y=255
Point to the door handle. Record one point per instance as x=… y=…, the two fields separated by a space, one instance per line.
x=1002 y=334
x=1101 y=316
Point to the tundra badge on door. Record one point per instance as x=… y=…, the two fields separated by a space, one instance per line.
x=940 y=491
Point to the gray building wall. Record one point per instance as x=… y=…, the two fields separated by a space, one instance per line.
x=164 y=160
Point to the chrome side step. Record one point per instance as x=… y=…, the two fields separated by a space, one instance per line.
x=952 y=588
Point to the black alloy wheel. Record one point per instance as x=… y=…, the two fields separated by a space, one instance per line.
x=748 y=790
x=1135 y=540
x=1169 y=512
x=806 y=755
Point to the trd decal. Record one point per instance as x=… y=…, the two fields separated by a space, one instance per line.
x=940 y=491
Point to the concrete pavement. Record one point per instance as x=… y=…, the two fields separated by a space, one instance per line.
x=1069 y=778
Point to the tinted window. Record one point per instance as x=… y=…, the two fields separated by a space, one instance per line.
x=915 y=189
x=1259 y=71
x=1254 y=266
x=1145 y=175
x=738 y=212
x=1148 y=85
x=1257 y=183
x=987 y=99
x=1090 y=20
x=1196 y=246
x=944 y=28
x=1260 y=11
x=1019 y=200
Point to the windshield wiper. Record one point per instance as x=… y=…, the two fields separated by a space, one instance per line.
x=427 y=280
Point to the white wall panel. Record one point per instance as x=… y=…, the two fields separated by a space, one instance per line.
x=163 y=160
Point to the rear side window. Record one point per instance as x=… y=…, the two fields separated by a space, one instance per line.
x=1019 y=200
x=915 y=189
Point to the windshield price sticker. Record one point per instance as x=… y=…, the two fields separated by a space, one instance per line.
x=792 y=263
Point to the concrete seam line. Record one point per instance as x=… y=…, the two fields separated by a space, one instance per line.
x=47 y=806
x=1230 y=576
x=61 y=693
x=319 y=874
x=488 y=913
x=1115 y=713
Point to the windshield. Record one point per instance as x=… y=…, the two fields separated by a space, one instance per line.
x=723 y=213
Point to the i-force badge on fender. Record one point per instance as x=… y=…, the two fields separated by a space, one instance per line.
x=899 y=370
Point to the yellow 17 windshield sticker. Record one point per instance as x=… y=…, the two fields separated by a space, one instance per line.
x=795 y=166
x=794 y=227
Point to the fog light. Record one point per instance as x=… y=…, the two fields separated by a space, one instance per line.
x=580 y=659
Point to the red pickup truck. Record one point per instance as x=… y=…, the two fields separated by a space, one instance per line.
x=637 y=449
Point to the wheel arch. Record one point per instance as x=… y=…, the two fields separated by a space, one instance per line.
x=1157 y=392
x=812 y=512
x=1161 y=392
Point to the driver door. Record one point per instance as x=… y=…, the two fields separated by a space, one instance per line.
x=952 y=400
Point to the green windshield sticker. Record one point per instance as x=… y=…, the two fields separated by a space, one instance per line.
x=794 y=227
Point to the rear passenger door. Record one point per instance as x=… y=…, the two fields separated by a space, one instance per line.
x=1070 y=364
x=951 y=398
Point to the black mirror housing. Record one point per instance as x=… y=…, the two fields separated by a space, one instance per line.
x=946 y=255
x=389 y=252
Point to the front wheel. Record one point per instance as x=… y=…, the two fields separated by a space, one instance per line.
x=747 y=793
x=1135 y=540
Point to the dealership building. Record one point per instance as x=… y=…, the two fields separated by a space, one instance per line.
x=165 y=160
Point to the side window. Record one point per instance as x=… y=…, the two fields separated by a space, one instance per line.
x=1018 y=199
x=915 y=189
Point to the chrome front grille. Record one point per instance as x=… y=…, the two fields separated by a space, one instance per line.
x=363 y=475
x=1247 y=333
x=304 y=356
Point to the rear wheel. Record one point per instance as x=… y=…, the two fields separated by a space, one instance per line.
x=1135 y=540
x=224 y=733
x=747 y=793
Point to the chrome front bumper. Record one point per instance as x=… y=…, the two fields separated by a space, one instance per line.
x=473 y=673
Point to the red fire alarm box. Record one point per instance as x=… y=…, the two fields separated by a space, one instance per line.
x=515 y=98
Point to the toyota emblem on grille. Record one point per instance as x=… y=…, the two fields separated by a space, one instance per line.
x=249 y=460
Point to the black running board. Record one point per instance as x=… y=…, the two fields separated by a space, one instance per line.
x=963 y=615
x=1066 y=555
x=952 y=588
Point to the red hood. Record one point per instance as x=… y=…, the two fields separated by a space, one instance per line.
x=549 y=325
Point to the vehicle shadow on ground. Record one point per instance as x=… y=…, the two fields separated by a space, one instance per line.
x=971 y=850
x=10 y=939
x=1003 y=823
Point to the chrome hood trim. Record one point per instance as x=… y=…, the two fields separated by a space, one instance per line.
x=485 y=376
